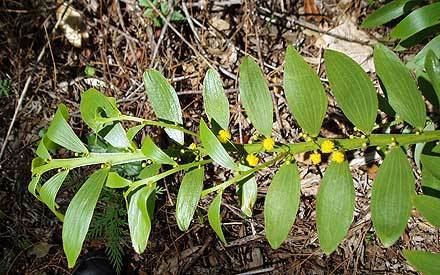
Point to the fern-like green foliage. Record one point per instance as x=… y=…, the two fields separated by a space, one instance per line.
x=135 y=170
x=109 y=225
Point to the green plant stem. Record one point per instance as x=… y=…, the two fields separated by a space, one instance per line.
x=137 y=155
x=137 y=184
x=243 y=175
x=355 y=143
x=147 y=122
x=158 y=123
x=91 y=159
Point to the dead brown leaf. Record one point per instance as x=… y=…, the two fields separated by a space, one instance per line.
x=311 y=10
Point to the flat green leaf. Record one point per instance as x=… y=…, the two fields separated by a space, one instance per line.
x=429 y=207
x=417 y=153
x=50 y=189
x=188 y=197
x=98 y=145
x=418 y=20
x=215 y=100
x=149 y=171
x=152 y=151
x=247 y=192
x=248 y=195
x=391 y=197
x=305 y=94
x=34 y=186
x=419 y=60
x=432 y=67
x=430 y=158
x=214 y=148
x=114 y=180
x=214 y=217
x=419 y=146
x=132 y=132
x=79 y=214
x=255 y=96
x=430 y=184
x=387 y=12
x=334 y=206
x=177 y=16
x=44 y=146
x=281 y=204
x=37 y=162
x=60 y=132
x=117 y=137
x=426 y=262
x=42 y=151
x=401 y=89
x=353 y=90
x=95 y=106
x=165 y=102
x=140 y=214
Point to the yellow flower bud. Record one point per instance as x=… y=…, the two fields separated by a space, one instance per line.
x=268 y=144
x=252 y=159
x=327 y=146
x=338 y=157
x=192 y=146
x=224 y=136
x=315 y=158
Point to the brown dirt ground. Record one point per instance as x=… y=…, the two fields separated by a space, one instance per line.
x=120 y=47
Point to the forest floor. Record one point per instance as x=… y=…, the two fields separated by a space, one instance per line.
x=120 y=43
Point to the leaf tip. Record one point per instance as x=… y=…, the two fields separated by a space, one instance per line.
x=274 y=244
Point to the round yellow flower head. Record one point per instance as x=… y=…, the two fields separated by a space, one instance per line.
x=192 y=146
x=252 y=159
x=315 y=158
x=338 y=157
x=224 y=136
x=268 y=144
x=327 y=146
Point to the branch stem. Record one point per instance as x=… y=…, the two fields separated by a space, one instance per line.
x=295 y=148
x=355 y=143
x=149 y=122
x=243 y=175
x=137 y=184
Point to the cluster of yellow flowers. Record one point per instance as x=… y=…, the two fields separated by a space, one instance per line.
x=224 y=136
x=315 y=158
x=327 y=147
x=252 y=160
x=268 y=145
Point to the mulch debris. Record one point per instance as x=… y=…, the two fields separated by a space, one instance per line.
x=120 y=43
